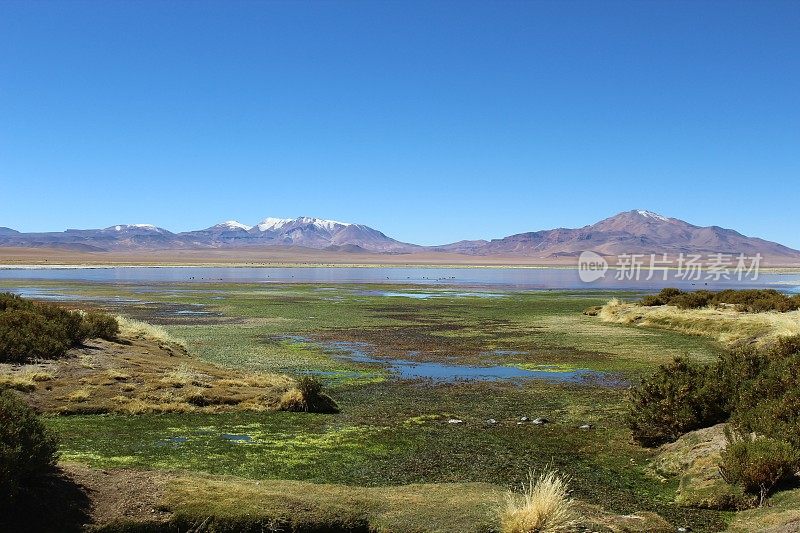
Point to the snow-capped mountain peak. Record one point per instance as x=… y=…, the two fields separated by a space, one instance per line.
x=650 y=214
x=120 y=228
x=271 y=223
x=233 y=224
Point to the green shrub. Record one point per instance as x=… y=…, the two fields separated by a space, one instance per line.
x=12 y=301
x=32 y=330
x=692 y=300
x=759 y=389
x=748 y=300
x=651 y=301
x=757 y=300
x=27 y=449
x=100 y=326
x=787 y=346
x=28 y=335
x=678 y=398
x=669 y=293
x=769 y=403
x=757 y=464
x=662 y=298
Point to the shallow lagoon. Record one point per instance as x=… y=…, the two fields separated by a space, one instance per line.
x=410 y=369
x=508 y=277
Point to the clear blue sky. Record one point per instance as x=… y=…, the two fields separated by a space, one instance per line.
x=432 y=121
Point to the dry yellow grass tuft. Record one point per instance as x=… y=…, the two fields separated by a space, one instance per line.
x=20 y=383
x=129 y=327
x=728 y=326
x=543 y=507
x=235 y=383
x=137 y=406
x=117 y=375
x=292 y=400
x=25 y=381
x=79 y=395
x=87 y=361
x=182 y=376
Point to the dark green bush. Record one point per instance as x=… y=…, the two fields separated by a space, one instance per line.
x=27 y=449
x=32 y=330
x=758 y=389
x=26 y=335
x=787 y=346
x=757 y=300
x=748 y=300
x=100 y=326
x=651 y=301
x=668 y=293
x=769 y=402
x=692 y=300
x=662 y=298
x=757 y=464
x=679 y=397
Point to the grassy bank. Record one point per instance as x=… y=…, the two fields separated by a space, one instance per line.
x=728 y=326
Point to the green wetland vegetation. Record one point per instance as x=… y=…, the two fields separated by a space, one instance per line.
x=393 y=431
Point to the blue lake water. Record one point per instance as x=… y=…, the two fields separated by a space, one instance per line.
x=505 y=278
x=412 y=369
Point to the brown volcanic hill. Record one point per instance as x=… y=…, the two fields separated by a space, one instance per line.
x=630 y=232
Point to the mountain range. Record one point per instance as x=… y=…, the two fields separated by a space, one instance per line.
x=630 y=232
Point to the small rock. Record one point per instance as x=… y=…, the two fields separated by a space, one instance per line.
x=524 y=419
x=586 y=426
x=684 y=529
x=491 y=421
x=540 y=421
x=455 y=421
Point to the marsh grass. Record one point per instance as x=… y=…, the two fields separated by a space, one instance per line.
x=130 y=327
x=370 y=444
x=543 y=507
x=302 y=506
x=726 y=325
